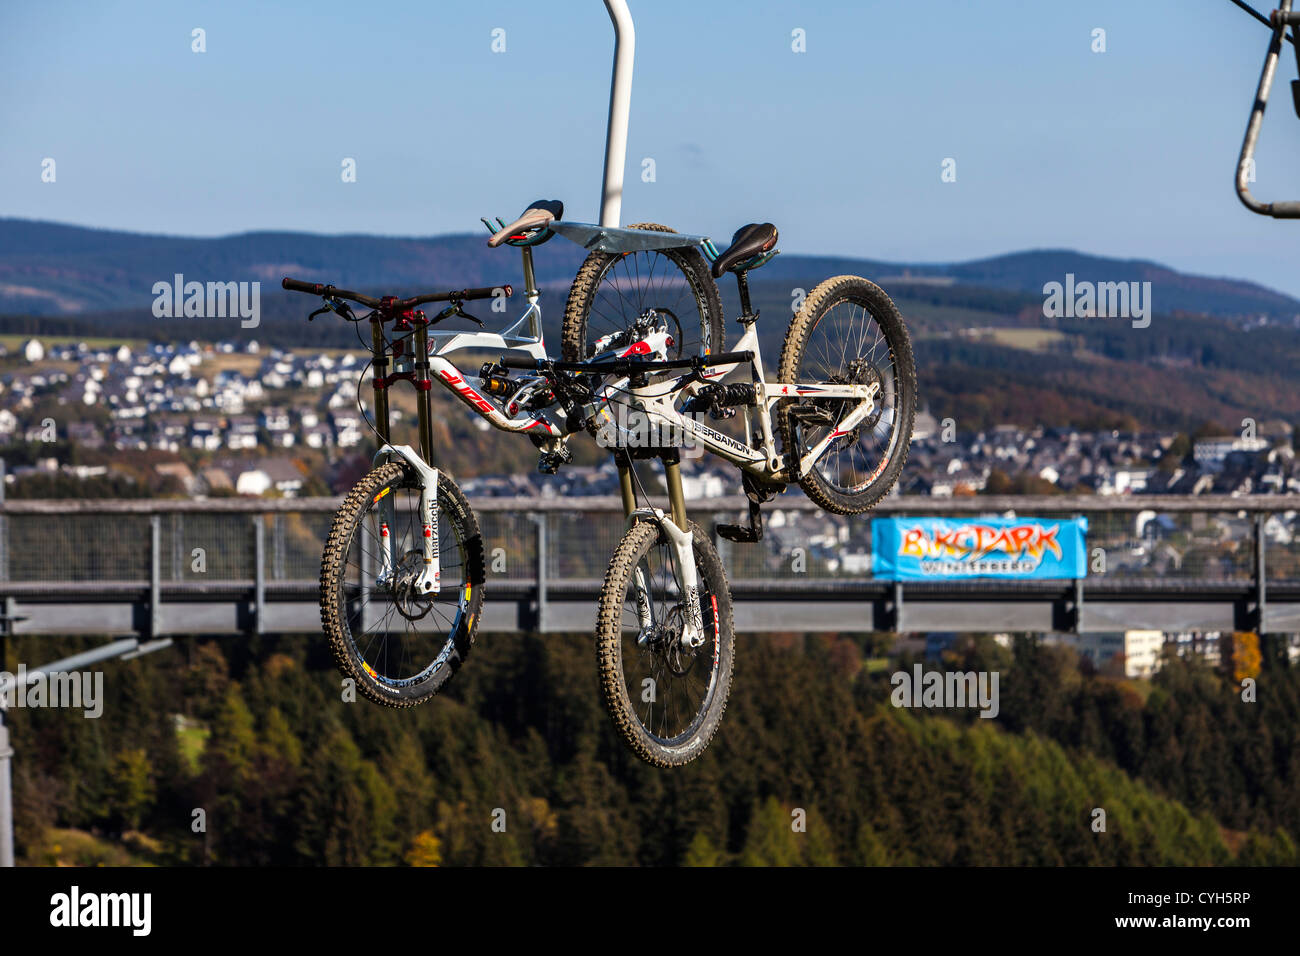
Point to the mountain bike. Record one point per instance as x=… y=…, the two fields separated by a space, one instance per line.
x=842 y=405
x=401 y=581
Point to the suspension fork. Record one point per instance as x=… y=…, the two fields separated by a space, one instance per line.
x=379 y=370
x=644 y=606
x=424 y=386
x=429 y=579
x=387 y=515
x=681 y=539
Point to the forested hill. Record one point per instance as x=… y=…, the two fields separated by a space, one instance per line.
x=255 y=733
x=54 y=269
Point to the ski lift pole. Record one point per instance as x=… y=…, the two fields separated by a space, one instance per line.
x=1279 y=20
x=620 y=103
x=6 y=796
x=126 y=650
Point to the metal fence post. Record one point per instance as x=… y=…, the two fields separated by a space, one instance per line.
x=541 y=571
x=1078 y=590
x=259 y=573
x=155 y=574
x=277 y=547
x=6 y=796
x=4 y=529
x=1261 y=572
x=178 y=543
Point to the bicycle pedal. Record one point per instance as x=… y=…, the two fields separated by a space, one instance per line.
x=738 y=533
x=744 y=534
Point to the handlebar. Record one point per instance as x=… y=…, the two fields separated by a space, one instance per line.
x=397 y=305
x=627 y=366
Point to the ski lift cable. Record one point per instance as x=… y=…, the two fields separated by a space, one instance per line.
x=1290 y=37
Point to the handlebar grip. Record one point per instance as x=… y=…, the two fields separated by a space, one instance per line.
x=521 y=362
x=487 y=292
x=295 y=285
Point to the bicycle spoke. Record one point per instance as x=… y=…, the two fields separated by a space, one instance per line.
x=845 y=345
x=400 y=636
x=681 y=690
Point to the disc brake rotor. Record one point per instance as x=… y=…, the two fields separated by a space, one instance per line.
x=678 y=659
x=410 y=605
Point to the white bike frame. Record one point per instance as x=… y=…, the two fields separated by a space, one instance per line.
x=658 y=403
x=441 y=368
x=443 y=344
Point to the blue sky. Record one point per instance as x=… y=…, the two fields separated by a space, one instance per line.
x=1125 y=153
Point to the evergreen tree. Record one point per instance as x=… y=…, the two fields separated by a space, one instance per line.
x=131 y=787
x=701 y=852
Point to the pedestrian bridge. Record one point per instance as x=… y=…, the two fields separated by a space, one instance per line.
x=132 y=568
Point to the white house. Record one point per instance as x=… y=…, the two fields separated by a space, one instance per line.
x=255 y=481
x=1141 y=650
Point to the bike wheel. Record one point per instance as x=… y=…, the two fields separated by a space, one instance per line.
x=849 y=332
x=612 y=290
x=665 y=697
x=400 y=647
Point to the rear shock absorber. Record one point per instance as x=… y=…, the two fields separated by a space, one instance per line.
x=720 y=401
x=495 y=380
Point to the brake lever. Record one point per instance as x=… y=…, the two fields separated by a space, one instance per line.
x=455 y=309
x=337 y=306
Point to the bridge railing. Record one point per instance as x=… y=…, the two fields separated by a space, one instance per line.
x=537 y=548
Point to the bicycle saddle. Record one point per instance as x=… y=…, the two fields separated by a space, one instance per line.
x=536 y=216
x=749 y=241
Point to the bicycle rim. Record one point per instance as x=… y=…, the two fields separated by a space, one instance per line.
x=683 y=682
x=398 y=638
x=847 y=345
x=631 y=284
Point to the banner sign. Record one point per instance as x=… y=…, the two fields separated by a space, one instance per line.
x=938 y=549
